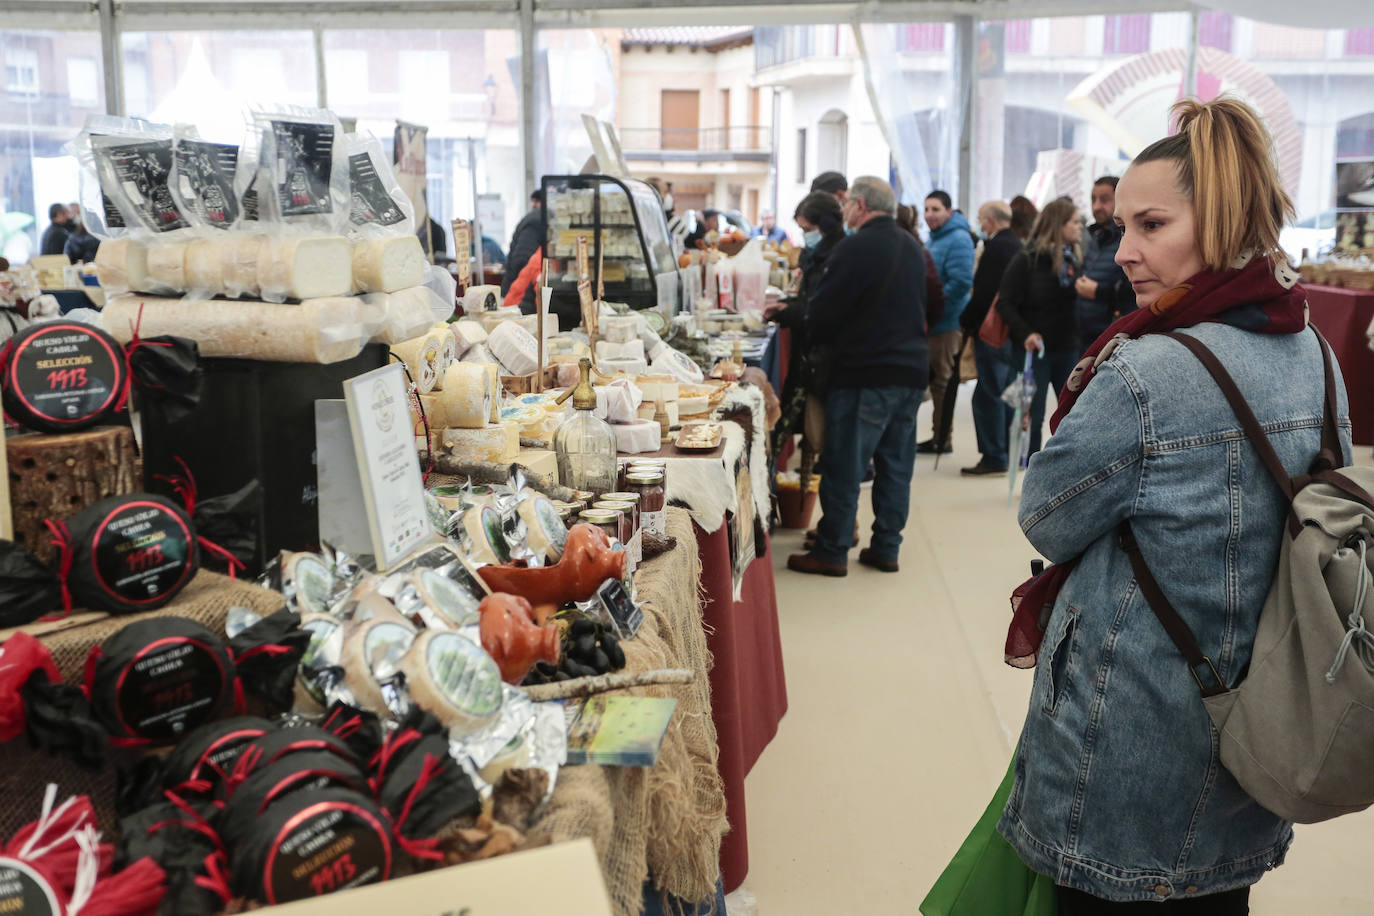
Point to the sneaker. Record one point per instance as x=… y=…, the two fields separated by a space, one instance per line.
x=809 y=564
x=868 y=558
x=982 y=470
x=928 y=448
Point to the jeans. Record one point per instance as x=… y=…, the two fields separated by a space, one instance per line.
x=1231 y=903
x=862 y=425
x=1052 y=368
x=991 y=415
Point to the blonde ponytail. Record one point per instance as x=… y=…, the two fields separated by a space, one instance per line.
x=1225 y=162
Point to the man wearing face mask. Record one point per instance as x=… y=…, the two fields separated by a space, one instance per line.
x=1104 y=293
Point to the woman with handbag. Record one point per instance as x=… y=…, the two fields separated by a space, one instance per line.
x=1119 y=793
x=1037 y=301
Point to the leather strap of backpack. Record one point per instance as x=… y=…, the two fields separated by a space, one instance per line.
x=1332 y=455
x=1182 y=636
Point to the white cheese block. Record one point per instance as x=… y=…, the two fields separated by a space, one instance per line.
x=620 y=328
x=512 y=430
x=449 y=352
x=545 y=532
x=648 y=409
x=306 y=267
x=399 y=316
x=422 y=357
x=466 y=397
x=467 y=334
x=167 y=265
x=679 y=365
x=482 y=299
x=631 y=367
x=388 y=265
x=244 y=250
x=121 y=265
x=486 y=443
x=617 y=402
x=693 y=406
x=491 y=319
x=531 y=324
x=453 y=679
x=657 y=387
x=632 y=349
x=366 y=644
x=514 y=347
x=319 y=331
x=205 y=266
x=637 y=436
x=487 y=542
x=434 y=412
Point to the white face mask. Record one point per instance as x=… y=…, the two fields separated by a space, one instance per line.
x=812 y=238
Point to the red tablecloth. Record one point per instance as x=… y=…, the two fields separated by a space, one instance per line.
x=1343 y=316
x=748 y=691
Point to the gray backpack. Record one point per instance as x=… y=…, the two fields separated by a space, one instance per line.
x=1298 y=732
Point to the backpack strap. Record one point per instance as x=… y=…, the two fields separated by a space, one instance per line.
x=1331 y=456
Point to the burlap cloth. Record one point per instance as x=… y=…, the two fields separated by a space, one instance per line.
x=665 y=821
x=24 y=773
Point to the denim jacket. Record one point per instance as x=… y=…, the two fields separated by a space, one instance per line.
x=1119 y=791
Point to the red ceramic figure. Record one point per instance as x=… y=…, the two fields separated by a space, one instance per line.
x=587 y=561
x=512 y=638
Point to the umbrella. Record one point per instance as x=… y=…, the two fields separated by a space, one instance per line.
x=944 y=416
x=1019 y=394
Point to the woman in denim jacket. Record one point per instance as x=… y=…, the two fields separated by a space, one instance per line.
x=1119 y=793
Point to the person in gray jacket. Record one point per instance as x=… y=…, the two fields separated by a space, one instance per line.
x=1104 y=293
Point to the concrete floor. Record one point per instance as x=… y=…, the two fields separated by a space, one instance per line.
x=902 y=717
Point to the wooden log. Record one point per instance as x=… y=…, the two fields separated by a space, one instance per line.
x=56 y=476
x=604 y=683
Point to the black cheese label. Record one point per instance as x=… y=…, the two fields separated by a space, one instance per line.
x=205 y=180
x=64 y=376
x=141 y=552
x=23 y=892
x=371 y=202
x=327 y=847
x=169 y=687
x=303 y=166
x=140 y=171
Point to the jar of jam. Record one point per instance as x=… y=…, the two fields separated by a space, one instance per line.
x=626 y=497
x=639 y=465
x=607 y=521
x=653 y=500
x=625 y=516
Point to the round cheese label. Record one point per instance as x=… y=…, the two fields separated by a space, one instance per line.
x=171 y=686
x=140 y=552
x=330 y=846
x=457 y=605
x=385 y=640
x=319 y=630
x=496 y=537
x=311 y=583
x=552 y=524
x=64 y=376
x=464 y=674
x=24 y=892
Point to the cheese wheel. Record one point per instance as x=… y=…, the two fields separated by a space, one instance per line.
x=321 y=331
x=243 y=251
x=309 y=696
x=367 y=644
x=306 y=582
x=531 y=324
x=404 y=315
x=434 y=412
x=620 y=328
x=305 y=267
x=466 y=397
x=512 y=430
x=167 y=266
x=638 y=437
x=421 y=356
x=453 y=603
x=488 y=443
x=657 y=386
x=205 y=266
x=528 y=419
x=543 y=400
x=482 y=525
x=648 y=409
x=492 y=320
x=482 y=299
x=633 y=349
x=121 y=265
x=545 y=532
x=467 y=334
x=631 y=367
x=515 y=348
x=453 y=679
x=494 y=386
x=388 y=265
x=449 y=350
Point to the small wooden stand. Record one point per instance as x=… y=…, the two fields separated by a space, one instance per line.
x=56 y=476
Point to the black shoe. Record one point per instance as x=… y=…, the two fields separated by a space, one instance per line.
x=809 y=563
x=982 y=470
x=868 y=558
x=928 y=448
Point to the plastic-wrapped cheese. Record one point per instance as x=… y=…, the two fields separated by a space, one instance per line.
x=167 y=265
x=545 y=532
x=422 y=357
x=616 y=402
x=122 y=265
x=515 y=348
x=467 y=334
x=388 y=265
x=466 y=397
x=310 y=697
x=452 y=678
x=320 y=331
x=487 y=443
x=620 y=328
x=488 y=543
x=629 y=366
x=205 y=266
x=633 y=349
x=657 y=387
x=367 y=644
x=243 y=251
x=404 y=315
x=305 y=267
x=649 y=408
x=637 y=437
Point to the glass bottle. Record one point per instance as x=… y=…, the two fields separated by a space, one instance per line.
x=584 y=445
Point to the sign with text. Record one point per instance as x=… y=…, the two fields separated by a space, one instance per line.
x=462 y=242
x=389 y=469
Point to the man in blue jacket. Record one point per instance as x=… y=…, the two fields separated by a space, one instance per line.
x=1104 y=293
x=951 y=245
x=869 y=308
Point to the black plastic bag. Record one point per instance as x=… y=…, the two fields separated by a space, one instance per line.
x=166 y=375
x=267 y=655
x=421 y=785
x=28 y=589
x=60 y=721
x=180 y=840
x=230 y=522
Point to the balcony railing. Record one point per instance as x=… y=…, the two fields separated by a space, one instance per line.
x=726 y=140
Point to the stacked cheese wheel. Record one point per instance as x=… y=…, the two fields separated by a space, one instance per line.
x=459 y=393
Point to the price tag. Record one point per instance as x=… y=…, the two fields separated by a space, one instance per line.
x=462 y=243
x=620 y=607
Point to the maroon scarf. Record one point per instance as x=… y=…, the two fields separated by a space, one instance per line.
x=1258 y=296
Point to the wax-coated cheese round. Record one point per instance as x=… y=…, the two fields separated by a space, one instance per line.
x=63 y=376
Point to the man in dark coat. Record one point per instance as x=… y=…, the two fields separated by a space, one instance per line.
x=527 y=238
x=55 y=236
x=1104 y=293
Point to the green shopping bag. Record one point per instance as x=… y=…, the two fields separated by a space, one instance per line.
x=986 y=877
